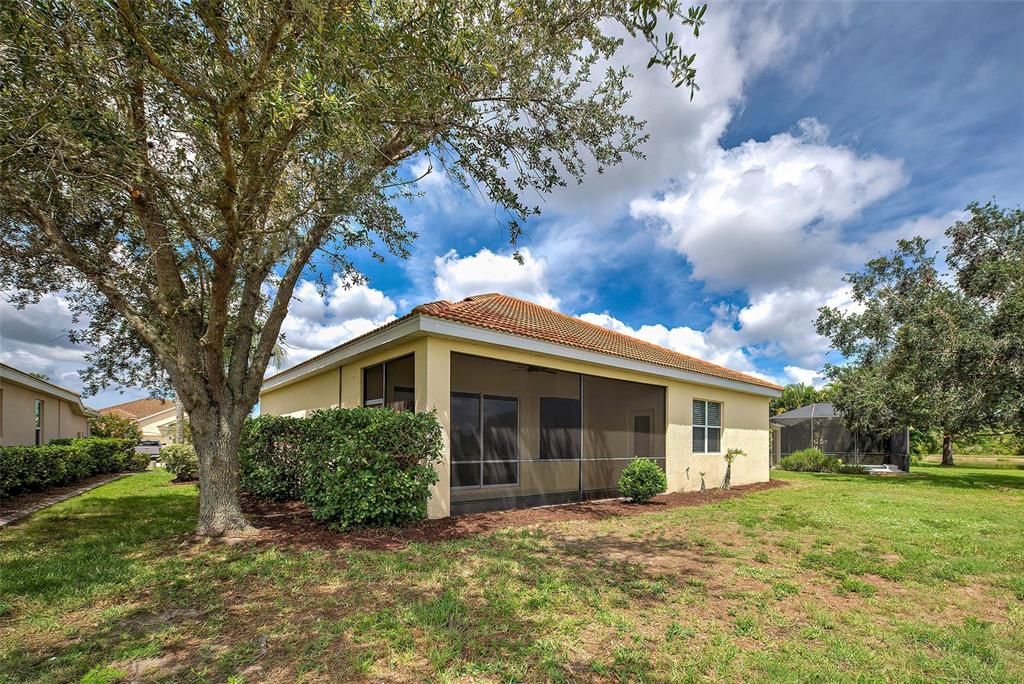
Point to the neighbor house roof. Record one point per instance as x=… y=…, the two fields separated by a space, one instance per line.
x=19 y=377
x=520 y=317
x=505 y=320
x=139 y=408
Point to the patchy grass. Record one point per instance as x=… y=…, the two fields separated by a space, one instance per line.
x=831 y=578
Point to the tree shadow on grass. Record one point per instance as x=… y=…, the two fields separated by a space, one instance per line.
x=491 y=604
x=95 y=541
x=966 y=478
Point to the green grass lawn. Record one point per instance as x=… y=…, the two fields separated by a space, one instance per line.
x=830 y=578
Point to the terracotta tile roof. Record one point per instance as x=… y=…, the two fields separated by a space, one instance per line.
x=510 y=315
x=140 y=408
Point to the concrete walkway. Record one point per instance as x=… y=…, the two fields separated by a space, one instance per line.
x=8 y=518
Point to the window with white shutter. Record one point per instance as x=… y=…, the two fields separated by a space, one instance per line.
x=707 y=427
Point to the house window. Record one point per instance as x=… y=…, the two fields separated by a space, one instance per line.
x=39 y=421
x=373 y=385
x=485 y=440
x=642 y=434
x=559 y=428
x=391 y=384
x=707 y=427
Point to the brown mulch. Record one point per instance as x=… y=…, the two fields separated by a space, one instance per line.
x=20 y=502
x=291 y=524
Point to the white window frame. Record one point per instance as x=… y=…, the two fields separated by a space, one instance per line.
x=39 y=419
x=705 y=425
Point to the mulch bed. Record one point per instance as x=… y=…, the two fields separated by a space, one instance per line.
x=20 y=502
x=291 y=524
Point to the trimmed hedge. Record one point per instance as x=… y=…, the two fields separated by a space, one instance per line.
x=63 y=462
x=351 y=467
x=270 y=457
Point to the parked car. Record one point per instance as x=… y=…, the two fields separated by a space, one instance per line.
x=150 y=447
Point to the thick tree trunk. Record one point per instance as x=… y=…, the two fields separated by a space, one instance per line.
x=727 y=480
x=947 y=449
x=216 y=438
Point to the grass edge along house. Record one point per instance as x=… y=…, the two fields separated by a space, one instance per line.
x=538 y=407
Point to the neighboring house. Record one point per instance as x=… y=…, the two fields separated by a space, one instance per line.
x=819 y=426
x=34 y=411
x=156 y=418
x=538 y=407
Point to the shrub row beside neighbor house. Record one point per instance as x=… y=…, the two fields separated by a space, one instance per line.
x=63 y=462
x=351 y=467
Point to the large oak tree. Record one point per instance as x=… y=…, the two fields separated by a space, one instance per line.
x=933 y=347
x=173 y=167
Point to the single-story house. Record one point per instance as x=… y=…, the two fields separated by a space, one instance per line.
x=538 y=407
x=34 y=411
x=821 y=427
x=156 y=418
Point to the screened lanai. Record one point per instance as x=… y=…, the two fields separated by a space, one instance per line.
x=525 y=435
x=821 y=427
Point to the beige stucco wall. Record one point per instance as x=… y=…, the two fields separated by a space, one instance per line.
x=17 y=416
x=744 y=416
x=156 y=426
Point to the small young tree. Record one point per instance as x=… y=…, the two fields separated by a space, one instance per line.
x=930 y=352
x=730 y=456
x=113 y=425
x=173 y=166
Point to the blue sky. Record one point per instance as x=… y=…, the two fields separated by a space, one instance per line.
x=821 y=134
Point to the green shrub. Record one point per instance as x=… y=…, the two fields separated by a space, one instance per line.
x=136 y=462
x=270 y=457
x=810 y=461
x=641 y=480
x=62 y=462
x=851 y=469
x=180 y=461
x=365 y=466
x=351 y=467
x=106 y=454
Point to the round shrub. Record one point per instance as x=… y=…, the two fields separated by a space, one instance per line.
x=641 y=480
x=135 y=462
x=180 y=461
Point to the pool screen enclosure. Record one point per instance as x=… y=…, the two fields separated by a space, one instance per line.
x=525 y=435
x=819 y=426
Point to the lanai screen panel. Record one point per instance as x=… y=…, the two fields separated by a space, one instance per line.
x=524 y=435
x=622 y=421
x=515 y=434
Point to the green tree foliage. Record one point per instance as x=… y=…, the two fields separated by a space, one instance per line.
x=796 y=395
x=931 y=351
x=114 y=425
x=173 y=166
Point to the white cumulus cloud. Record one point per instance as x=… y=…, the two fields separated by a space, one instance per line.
x=317 y=322
x=457 y=277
